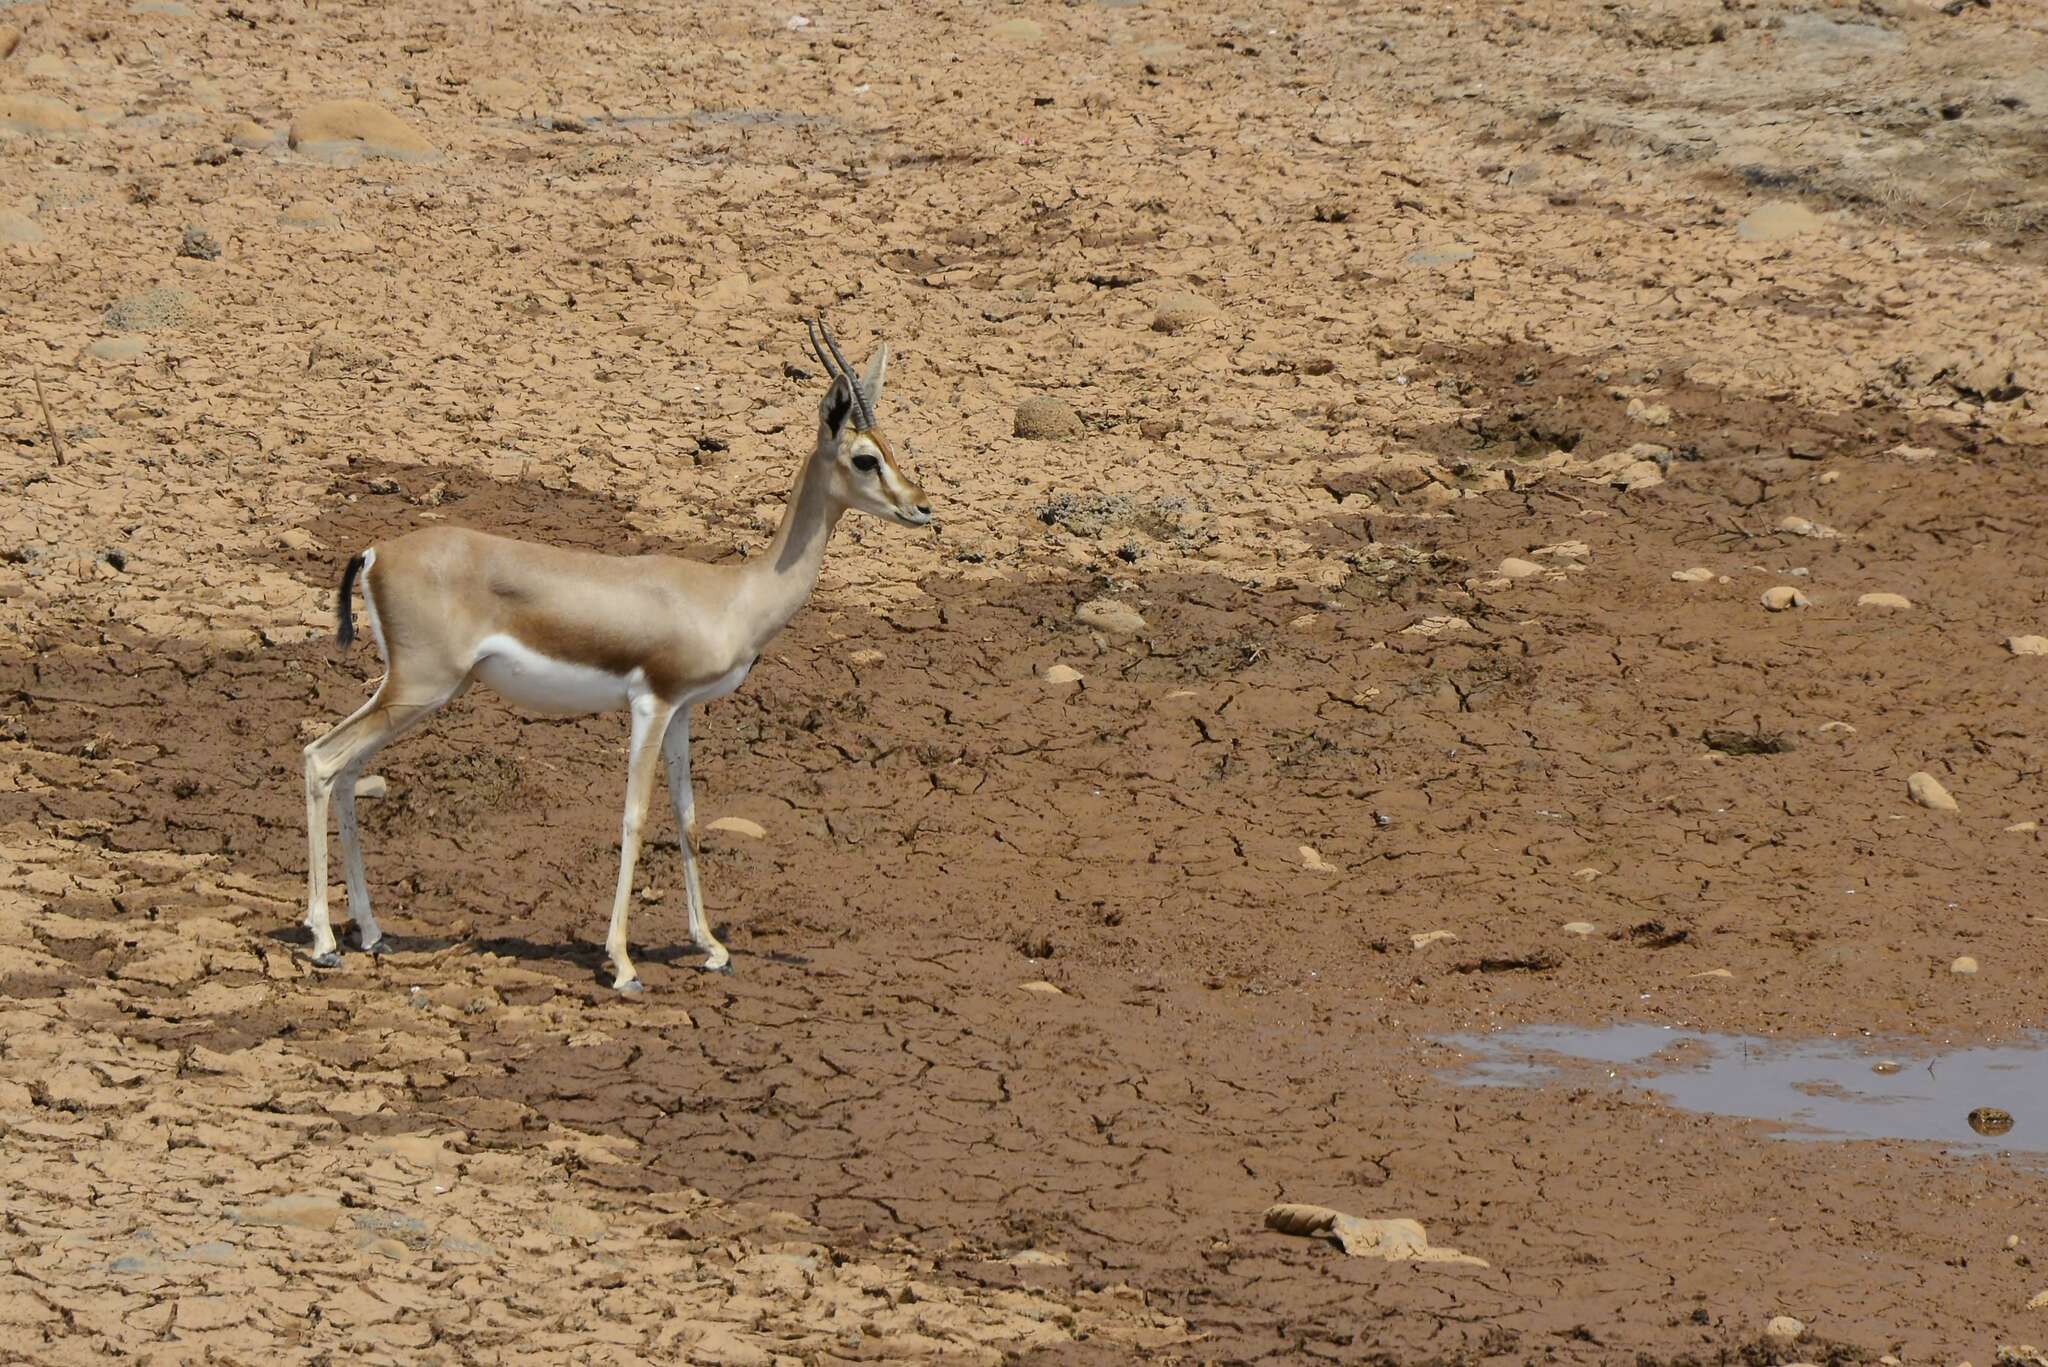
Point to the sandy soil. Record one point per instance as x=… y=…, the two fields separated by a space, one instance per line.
x=1407 y=353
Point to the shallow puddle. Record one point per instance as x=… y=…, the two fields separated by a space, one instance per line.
x=1991 y=1098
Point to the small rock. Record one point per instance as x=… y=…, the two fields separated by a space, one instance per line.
x=2039 y=1302
x=1964 y=966
x=2023 y=828
x=1178 y=312
x=739 y=825
x=1926 y=790
x=1783 y=1328
x=1107 y=614
x=1430 y=937
x=1990 y=1120
x=10 y=38
x=360 y=125
x=1831 y=477
x=1698 y=574
x=2027 y=645
x=1061 y=674
x=1712 y=973
x=152 y=310
x=1046 y=417
x=39 y=114
x=1884 y=600
x=1519 y=569
x=1044 y=989
x=1580 y=928
x=1313 y=861
x=372 y=786
x=1650 y=414
x=199 y=245
x=1799 y=526
x=1783 y=596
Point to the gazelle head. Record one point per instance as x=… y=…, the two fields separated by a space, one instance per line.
x=856 y=456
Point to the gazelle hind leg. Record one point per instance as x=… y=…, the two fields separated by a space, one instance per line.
x=675 y=754
x=340 y=754
x=650 y=723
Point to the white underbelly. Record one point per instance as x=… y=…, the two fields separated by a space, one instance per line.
x=541 y=683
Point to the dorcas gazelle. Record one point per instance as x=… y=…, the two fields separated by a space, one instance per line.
x=570 y=633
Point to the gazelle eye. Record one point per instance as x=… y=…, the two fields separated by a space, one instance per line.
x=865 y=462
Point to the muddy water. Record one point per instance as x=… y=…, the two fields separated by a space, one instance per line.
x=1990 y=1098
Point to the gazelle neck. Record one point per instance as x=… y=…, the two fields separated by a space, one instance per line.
x=782 y=577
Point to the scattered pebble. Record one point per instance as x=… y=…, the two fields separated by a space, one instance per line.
x=1712 y=973
x=1799 y=526
x=1837 y=727
x=1784 y=1328
x=1313 y=861
x=371 y=786
x=865 y=656
x=1783 y=596
x=1046 y=417
x=1107 y=614
x=1061 y=674
x=2039 y=1302
x=1579 y=928
x=1885 y=1067
x=1044 y=989
x=1519 y=569
x=2023 y=828
x=1430 y=937
x=1698 y=574
x=1963 y=966
x=1831 y=477
x=360 y=126
x=2027 y=645
x=739 y=825
x=10 y=38
x=1926 y=790
x=1884 y=600
x=1177 y=312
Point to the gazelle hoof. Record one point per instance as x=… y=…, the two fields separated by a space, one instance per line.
x=331 y=959
x=632 y=987
x=722 y=966
x=378 y=947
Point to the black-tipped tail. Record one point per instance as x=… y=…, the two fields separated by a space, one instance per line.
x=344 y=603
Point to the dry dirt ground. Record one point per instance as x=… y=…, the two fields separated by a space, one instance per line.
x=1408 y=351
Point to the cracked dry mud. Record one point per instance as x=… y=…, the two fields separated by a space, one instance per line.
x=1501 y=319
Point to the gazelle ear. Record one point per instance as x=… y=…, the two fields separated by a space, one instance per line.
x=871 y=383
x=835 y=408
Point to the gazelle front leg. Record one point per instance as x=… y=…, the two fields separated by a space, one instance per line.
x=675 y=754
x=650 y=723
